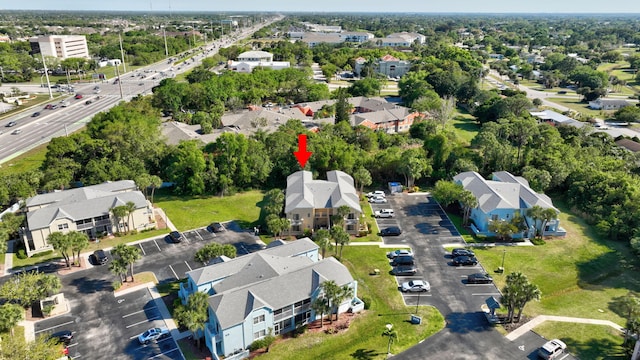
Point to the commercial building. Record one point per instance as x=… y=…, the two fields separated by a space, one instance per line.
x=60 y=46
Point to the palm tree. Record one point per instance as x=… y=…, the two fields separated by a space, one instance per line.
x=48 y=285
x=529 y=292
x=517 y=292
x=60 y=242
x=321 y=306
x=129 y=255
x=330 y=290
x=547 y=215
x=392 y=334
x=468 y=202
x=345 y=292
x=119 y=212
x=535 y=213
x=79 y=241
x=339 y=236
x=131 y=208
x=119 y=268
x=156 y=182
x=322 y=238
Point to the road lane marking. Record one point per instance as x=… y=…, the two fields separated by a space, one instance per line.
x=174 y=272
x=53 y=327
x=142 y=322
x=141 y=248
x=186 y=263
x=158 y=246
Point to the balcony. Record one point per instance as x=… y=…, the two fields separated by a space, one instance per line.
x=283 y=315
x=84 y=226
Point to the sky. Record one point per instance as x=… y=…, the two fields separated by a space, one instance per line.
x=410 y=6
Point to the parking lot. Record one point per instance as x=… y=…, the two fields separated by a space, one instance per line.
x=105 y=326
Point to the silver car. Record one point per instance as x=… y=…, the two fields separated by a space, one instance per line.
x=416 y=286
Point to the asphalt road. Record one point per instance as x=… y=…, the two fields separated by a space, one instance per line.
x=35 y=131
x=467 y=334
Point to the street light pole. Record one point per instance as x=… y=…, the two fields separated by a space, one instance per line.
x=124 y=66
x=164 y=34
x=46 y=73
x=504 y=252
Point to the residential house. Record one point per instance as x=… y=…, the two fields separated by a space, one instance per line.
x=86 y=209
x=268 y=291
x=504 y=197
x=396 y=120
x=608 y=104
x=555 y=118
x=387 y=65
x=249 y=60
x=309 y=204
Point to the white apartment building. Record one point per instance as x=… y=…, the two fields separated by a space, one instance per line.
x=60 y=46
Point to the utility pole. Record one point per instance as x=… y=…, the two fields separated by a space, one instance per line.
x=164 y=34
x=46 y=73
x=119 y=82
x=124 y=66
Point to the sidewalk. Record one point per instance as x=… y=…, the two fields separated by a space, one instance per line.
x=542 y=318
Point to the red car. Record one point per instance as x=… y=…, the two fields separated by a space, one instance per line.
x=78 y=96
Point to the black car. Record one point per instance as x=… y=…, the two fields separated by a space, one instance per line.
x=62 y=337
x=465 y=260
x=175 y=236
x=35 y=114
x=216 y=227
x=391 y=231
x=461 y=252
x=404 y=270
x=99 y=257
x=479 y=278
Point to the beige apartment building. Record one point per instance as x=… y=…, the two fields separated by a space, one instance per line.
x=60 y=46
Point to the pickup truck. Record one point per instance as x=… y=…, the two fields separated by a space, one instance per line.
x=384 y=213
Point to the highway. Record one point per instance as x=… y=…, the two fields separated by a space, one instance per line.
x=31 y=131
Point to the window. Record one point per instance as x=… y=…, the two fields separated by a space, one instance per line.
x=258 y=319
x=277 y=312
x=494 y=217
x=63 y=226
x=259 y=334
x=296 y=216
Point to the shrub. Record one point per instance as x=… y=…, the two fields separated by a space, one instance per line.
x=367 y=302
x=21 y=254
x=116 y=285
x=538 y=241
x=41 y=254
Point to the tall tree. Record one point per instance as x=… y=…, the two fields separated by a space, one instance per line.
x=79 y=241
x=392 y=335
x=10 y=315
x=62 y=243
x=129 y=255
x=119 y=268
x=414 y=165
x=322 y=238
x=131 y=208
x=342 y=106
x=340 y=237
x=362 y=178
x=516 y=293
x=321 y=306
x=468 y=202
x=119 y=213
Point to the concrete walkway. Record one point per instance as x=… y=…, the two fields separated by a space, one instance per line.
x=542 y=318
x=8 y=257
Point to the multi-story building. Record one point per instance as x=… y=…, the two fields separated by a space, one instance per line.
x=247 y=61
x=60 y=46
x=87 y=210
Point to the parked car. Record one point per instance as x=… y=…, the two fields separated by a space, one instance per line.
x=11 y=123
x=152 y=335
x=552 y=349
x=403 y=260
x=391 y=231
x=400 y=252
x=175 y=236
x=378 y=200
x=384 y=213
x=377 y=193
x=415 y=286
x=465 y=260
x=461 y=252
x=216 y=227
x=479 y=278
x=36 y=114
x=62 y=337
x=100 y=257
x=401 y=270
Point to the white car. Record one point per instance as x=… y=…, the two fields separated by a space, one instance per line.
x=152 y=335
x=377 y=193
x=384 y=213
x=552 y=349
x=378 y=200
x=416 y=286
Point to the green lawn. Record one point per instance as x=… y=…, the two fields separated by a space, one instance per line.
x=586 y=341
x=28 y=161
x=571 y=269
x=363 y=340
x=464 y=125
x=193 y=212
x=34 y=103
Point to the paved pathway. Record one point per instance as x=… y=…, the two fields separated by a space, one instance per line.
x=542 y=318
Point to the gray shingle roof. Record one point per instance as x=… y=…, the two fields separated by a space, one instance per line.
x=81 y=194
x=305 y=193
x=235 y=304
x=510 y=192
x=268 y=262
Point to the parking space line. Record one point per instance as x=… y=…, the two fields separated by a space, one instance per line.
x=188 y=265
x=157 y=342
x=412 y=295
x=141 y=248
x=174 y=272
x=71 y=345
x=489 y=284
x=142 y=322
x=200 y=236
x=53 y=327
x=485 y=294
x=158 y=246
x=137 y=312
x=166 y=352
